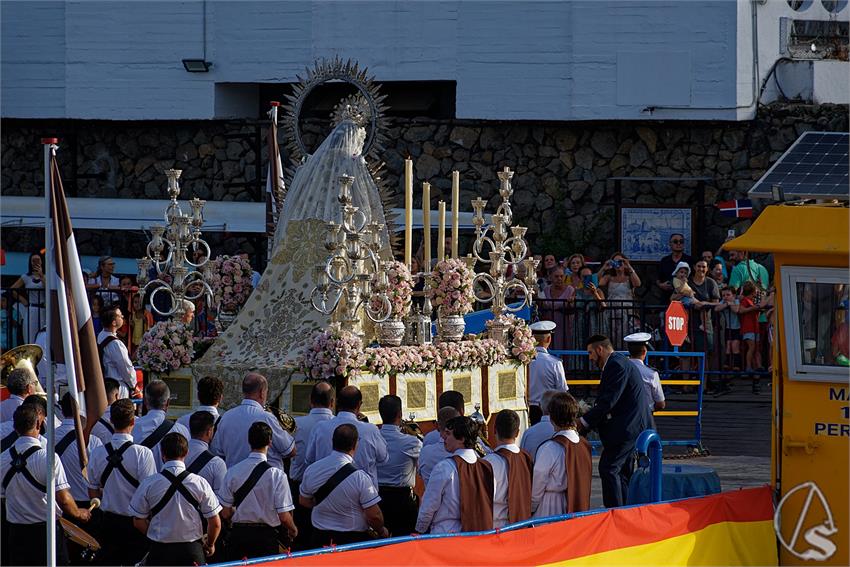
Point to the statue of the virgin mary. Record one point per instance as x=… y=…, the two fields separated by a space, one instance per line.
x=278 y=319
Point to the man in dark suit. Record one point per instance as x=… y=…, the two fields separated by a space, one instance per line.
x=620 y=414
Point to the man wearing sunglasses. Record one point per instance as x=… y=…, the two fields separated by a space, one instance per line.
x=668 y=263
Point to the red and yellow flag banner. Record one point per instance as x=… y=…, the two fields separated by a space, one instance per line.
x=731 y=528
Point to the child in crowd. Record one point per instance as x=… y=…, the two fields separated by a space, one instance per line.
x=749 y=314
x=728 y=308
x=682 y=291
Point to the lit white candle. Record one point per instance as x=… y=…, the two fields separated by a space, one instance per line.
x=408 y=211
x=426 y=226
x=441 y=231
x=455 y=211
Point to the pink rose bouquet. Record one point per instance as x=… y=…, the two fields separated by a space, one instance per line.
x=166 y=346
x=447 y=355
x=451 y=287
x=522 y=345
x=230 y=280
x=400 y=290
x=331 y=354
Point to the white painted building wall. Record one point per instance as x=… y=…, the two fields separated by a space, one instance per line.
x=533 y=60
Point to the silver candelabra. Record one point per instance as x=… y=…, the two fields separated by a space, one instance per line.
x=493 y=246
x=178 y=276
x=344 y=280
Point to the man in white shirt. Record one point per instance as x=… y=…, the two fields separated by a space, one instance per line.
x=115 y=470
x=541 y=431
x=449 y=398
x=24 y=470
x=8 y=435
x=67 y=451
x=512 y=470
x=371 y=447
x=397 y=476
x=231 y=438
x=210 y=391
x=555 y=490
x=343 y=498
x=200 y=460
x=103 y=429
x=151 y=428
x=460 y=477
x=322 y=400
x=21 y=383
x=546 y=372
x=175 y=524
x=636 y=345
x=435 y=452
x=114 y=357
x=256 y=498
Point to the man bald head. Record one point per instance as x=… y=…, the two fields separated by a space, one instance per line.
x=255 y=387
x=444 y=415
x=349 y=399
x=322 y=395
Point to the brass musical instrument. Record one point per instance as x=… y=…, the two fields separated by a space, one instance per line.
x=482 y=447
x=24 y=356
x=286 y=421
x=410 y=427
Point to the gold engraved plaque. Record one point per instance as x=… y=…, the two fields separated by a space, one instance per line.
x=181 y=391
x=371 y=395
x=416 y=390
x=507 y=384
x=463 y=384
x=299 y=395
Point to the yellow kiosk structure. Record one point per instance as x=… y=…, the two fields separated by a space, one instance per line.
x=811 y=395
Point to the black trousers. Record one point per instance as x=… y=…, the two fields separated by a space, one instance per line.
x=400 y=507
x=247 y=541
x=121 y=543
x=92 y=527
x=615 y=469
x=322 y=538
x=4 y=534
x=27 y=544
x=184 y=553
x=303 y=518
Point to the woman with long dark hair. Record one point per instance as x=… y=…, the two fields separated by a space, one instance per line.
x=32 y=296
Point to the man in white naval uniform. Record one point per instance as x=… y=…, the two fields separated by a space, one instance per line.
x=636 y=345
x=546 y=372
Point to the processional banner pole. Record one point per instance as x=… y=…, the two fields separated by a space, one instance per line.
x=49 y=146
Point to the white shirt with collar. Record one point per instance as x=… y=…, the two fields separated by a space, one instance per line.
x=371 y=447
x=403 y=455
x=8 y=407
x=147 y=424
x=184 y=419
x=117 y=364
x=118 y=491
x=343 y=509
x=546 y=372
x=269 y=497
x=500 y=484
x=231 y=438
x=440 y=507
x=71 y=460
x=535 y=435
x=178 y=521
x=306 y=424
x=550 y=478
x=8 y=428
x=431 y=454
x=100 y=431
x=651 y=382
x=26 y=504
x=213 y=472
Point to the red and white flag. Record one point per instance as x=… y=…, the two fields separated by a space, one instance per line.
x=72 y=337
x=274 y=178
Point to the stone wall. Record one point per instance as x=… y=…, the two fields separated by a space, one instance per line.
x=563 y=189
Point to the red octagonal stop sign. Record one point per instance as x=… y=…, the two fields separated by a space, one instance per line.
x=676 y=323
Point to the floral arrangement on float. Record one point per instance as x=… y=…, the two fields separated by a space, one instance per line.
x=425 y=358
x=332 y=354
x=521 y=344
x=230 y=280
x=399 y=292
x=165 y=347
x=451 y=296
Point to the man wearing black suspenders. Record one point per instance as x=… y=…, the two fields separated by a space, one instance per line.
x=171 y=507
x=103 y=429
x=115 y=471
x=152 y=427
x=24 y=470
x=256 y=496
x=200 y=460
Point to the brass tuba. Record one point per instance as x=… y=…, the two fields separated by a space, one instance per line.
x=24 y=356
x=410 y=427
x=286 y=421
x=482 y=447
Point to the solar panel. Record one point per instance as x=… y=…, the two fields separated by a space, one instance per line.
x=816 y=166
